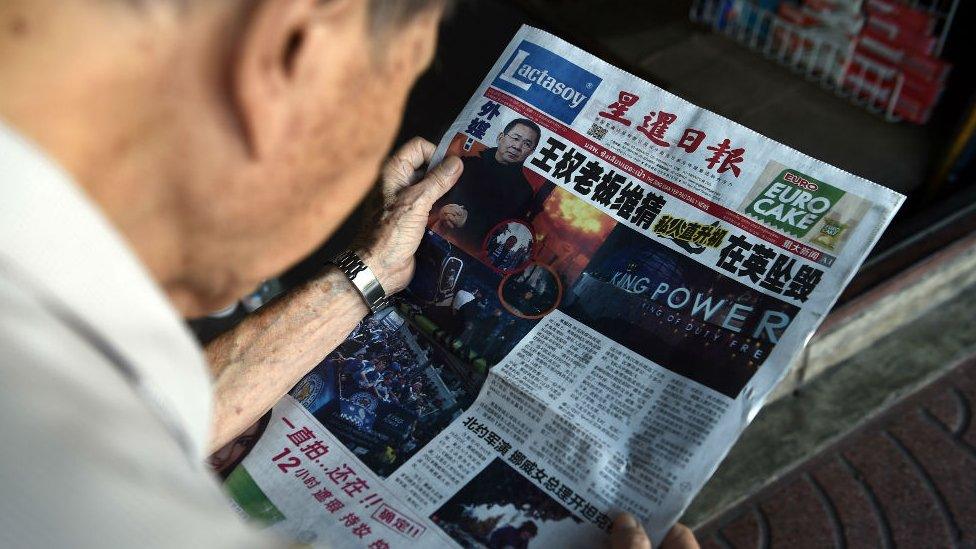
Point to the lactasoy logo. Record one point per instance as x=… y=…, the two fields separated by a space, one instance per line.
x=547 y=81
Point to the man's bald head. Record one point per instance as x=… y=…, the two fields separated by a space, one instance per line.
x=392 y=13
x=385 y=14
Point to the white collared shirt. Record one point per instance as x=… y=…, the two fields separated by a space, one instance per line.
x=105 y=397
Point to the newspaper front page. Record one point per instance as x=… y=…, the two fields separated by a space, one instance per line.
x=601 y=305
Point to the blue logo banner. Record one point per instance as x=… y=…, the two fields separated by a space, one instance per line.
x=547 y=81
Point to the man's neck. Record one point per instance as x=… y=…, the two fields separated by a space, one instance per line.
x=497 y=156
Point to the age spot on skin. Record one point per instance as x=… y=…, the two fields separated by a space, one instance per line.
x=17 y=26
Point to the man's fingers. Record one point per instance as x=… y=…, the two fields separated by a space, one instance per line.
x=439 y=181
x=402 y=168
x=420 y=149
x=627 y=533
x=680 y=537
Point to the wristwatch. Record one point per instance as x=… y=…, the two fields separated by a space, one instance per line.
x=362 y=279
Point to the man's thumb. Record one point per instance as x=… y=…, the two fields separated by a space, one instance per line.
x=627 y=533
x=441 y=179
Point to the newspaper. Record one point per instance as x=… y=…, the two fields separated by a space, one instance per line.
x=601 y=306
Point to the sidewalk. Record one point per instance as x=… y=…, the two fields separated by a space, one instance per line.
x=905 y=479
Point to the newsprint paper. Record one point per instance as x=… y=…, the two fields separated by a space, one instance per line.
x=601 y=306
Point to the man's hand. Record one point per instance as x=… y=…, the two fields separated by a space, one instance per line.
x=627 y=533
x=265 y=355
x=408 y=197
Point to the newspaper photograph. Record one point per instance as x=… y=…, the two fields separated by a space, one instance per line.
x=601 y=305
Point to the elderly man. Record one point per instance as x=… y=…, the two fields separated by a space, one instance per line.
x=159 y=158
x=492 y=189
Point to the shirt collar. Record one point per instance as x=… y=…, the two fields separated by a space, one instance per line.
x=54 y=234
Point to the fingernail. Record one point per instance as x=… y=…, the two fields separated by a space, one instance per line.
x=452 y=164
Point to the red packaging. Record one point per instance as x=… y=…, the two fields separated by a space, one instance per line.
x=819 y=5
x=914 y=109
x=876 y=82
x=924 y=91
x=879 y=50
x=892 y=34
x=793 y=14
x=872 y=78
x=909 y=18
x=850 y=6
x=925 y=67
x=842 y=23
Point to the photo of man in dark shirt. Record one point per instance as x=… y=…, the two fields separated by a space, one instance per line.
x=492 y=188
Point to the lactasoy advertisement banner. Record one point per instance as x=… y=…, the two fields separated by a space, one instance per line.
x=547 y=81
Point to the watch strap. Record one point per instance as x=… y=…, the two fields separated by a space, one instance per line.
x=363 y=279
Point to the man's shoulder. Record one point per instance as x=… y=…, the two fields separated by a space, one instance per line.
x=474 y=159
x=62 y=402
x=52 y=365
x=28 y=329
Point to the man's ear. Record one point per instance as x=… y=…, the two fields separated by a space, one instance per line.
x=273 y=37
